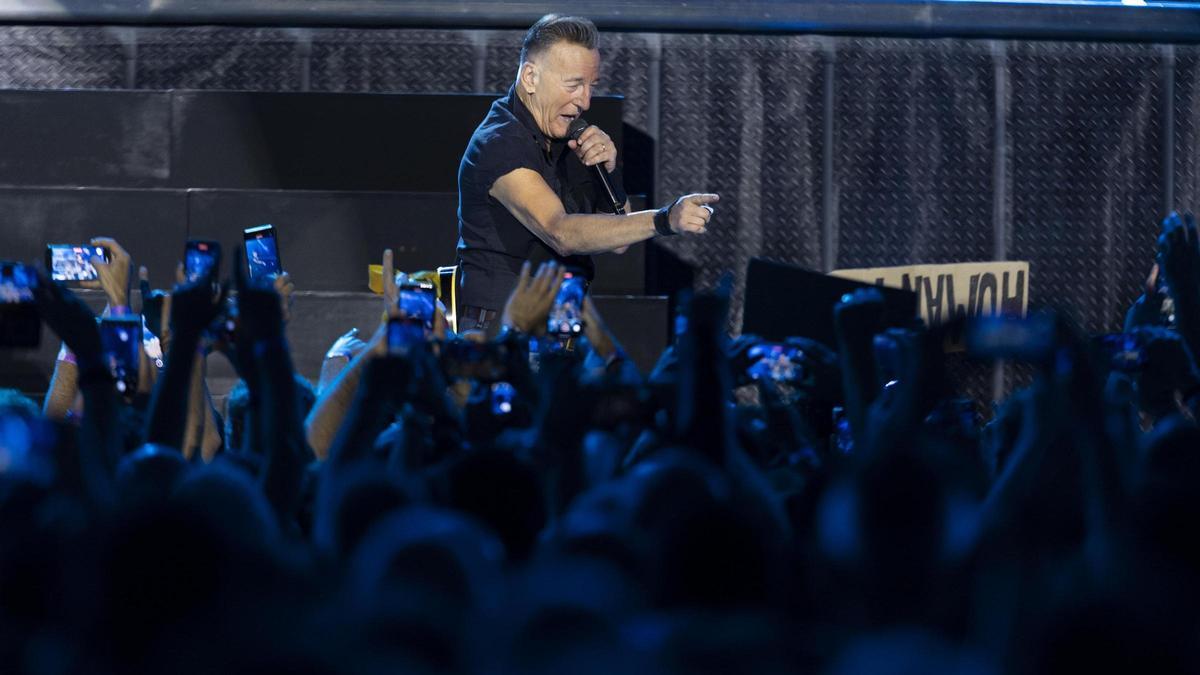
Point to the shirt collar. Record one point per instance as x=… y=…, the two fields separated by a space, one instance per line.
x=525 y=117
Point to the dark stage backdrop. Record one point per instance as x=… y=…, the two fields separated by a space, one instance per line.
x=829 y=152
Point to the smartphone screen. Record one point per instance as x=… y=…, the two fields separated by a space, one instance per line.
x=503 y=395
x=20 y=325
x=262 y=251
x=775 y=362
x=69 y=262
x=566 y=315
x=120 y=339
x=403 y=334
x=417 y=303
x=201 y=258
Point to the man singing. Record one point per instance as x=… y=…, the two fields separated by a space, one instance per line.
x=528 y=192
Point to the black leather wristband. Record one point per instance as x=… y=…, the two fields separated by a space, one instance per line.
x=662 y=221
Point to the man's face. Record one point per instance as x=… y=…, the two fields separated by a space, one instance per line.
x=563 y=78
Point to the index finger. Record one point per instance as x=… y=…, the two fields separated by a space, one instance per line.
x=389 y=273
x=703 y=198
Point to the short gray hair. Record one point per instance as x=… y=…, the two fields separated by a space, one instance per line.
x=554 y=28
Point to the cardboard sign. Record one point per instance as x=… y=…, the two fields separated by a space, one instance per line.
x=964 y=289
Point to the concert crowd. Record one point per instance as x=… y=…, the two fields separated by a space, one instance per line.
x=531 y=503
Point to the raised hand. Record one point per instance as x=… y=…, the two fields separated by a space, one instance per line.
x=1179 y=256
x=260 y=309
x=528 y=306
x=856 y=319
x=1168 y=367
x=690 y=214
x=822 y=370
x=194 y=306
x=1179 y=262
x=282 y=283
x=859 y=313
x=112 y=276
x=71 y=319
x=1147 y=309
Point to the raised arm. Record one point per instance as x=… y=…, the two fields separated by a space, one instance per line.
x=100 y=431
x=193 y=308
x=335 y=398
x=531 y=201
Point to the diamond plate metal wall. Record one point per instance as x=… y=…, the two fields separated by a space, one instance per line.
x=404 y=61
x=1086 y=173
x=1186 y=116
x=209 y=57
x=914 y=152
x=741 y=116
x=52 y=57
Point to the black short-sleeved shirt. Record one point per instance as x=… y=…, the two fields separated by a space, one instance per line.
x=492 y=244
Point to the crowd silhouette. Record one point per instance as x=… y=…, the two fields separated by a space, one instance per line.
x=566 y=514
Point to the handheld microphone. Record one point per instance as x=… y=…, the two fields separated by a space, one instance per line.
x=574 y=131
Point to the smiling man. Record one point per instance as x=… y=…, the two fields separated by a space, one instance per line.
x=526 y=192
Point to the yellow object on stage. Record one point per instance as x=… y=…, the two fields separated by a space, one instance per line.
x=375 y=278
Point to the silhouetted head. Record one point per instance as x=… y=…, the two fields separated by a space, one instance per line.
x=147 y=476
x=501 y=491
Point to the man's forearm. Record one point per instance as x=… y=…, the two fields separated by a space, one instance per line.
x=587 y=234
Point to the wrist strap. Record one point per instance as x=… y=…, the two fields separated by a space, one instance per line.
x=662 y=221
x=65 y=354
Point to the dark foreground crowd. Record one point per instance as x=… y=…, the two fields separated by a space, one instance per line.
x=564 y=514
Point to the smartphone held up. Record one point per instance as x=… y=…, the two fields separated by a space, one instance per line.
x=414 y=323
x=566 y=314
x=20 y=325
x=71 y=263
x=200 y=259
x=120 y=342
x=262 y=251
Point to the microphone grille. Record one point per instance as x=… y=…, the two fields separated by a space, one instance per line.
x=576 y=128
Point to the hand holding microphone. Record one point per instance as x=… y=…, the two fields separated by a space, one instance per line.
x=690 y=214
x=592 y=145
x=597 y=150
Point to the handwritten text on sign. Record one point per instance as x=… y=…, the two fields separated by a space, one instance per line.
x=946 y=291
